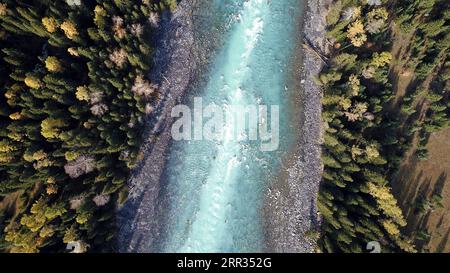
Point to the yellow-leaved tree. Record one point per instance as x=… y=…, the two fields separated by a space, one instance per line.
x=69 y=29
x=51 y=128
x=82 y=93
x=32 y=82
x=53 y=64
x=50 y=24
x=357 y=34
x=387 y=203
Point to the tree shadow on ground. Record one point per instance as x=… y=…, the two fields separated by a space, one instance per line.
x=444 y=242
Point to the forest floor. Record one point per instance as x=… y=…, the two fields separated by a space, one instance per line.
x=16 y=202
x=11 y=203
x=291 y=210
x=416 y=179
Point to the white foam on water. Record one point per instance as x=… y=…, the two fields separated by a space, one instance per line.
x=208 y=230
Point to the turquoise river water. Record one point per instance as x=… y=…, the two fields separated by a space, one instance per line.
x=217 y=188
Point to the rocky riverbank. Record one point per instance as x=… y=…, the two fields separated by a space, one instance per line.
x=175 y=66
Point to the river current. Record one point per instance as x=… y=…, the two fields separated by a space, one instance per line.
x=214 y=190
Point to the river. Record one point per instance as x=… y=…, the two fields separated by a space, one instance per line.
x=214 y=191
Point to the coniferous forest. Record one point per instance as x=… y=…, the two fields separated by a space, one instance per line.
x=365 y=137
x=76 y=94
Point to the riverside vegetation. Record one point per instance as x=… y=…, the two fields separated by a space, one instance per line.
x=365 y=137
x=73 y=96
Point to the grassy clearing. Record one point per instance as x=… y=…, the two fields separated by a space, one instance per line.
x=420 y=180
